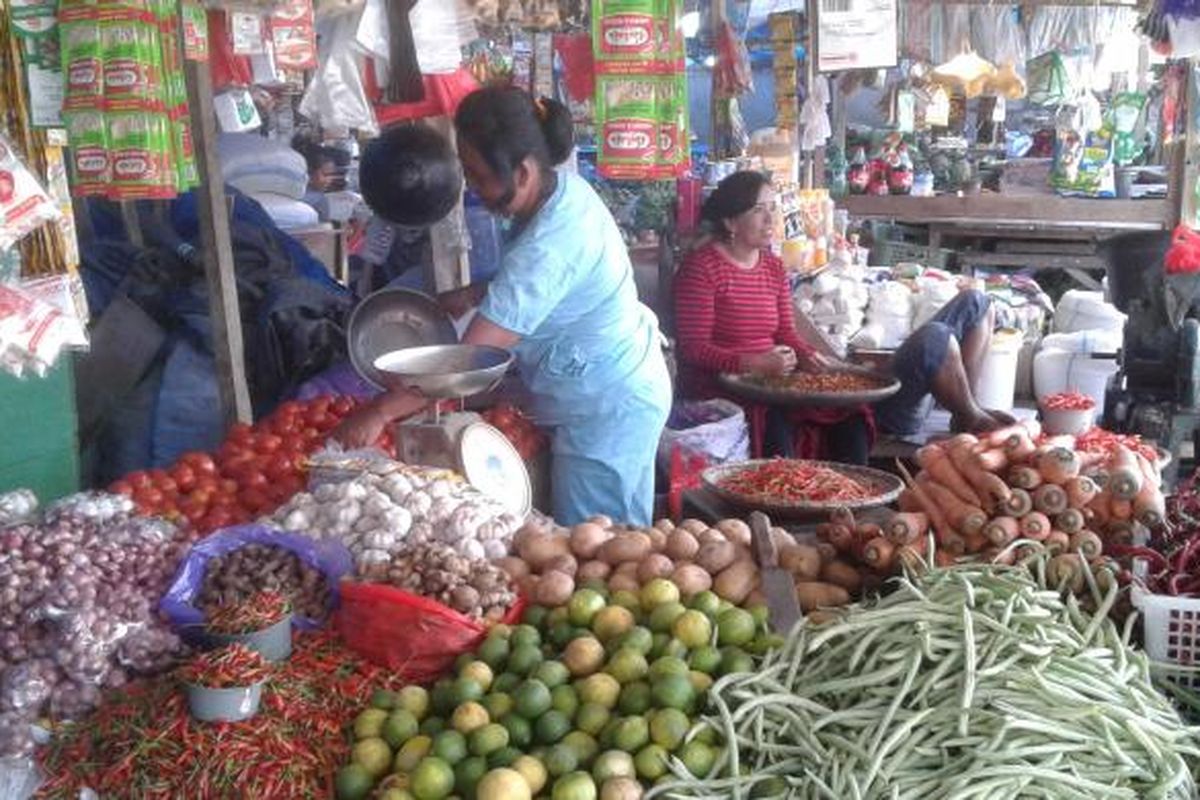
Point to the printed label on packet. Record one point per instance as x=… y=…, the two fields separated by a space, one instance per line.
x=82 y=65
x=130 y=77
x=24 y=205
x=627 y=35
x=89 y=152
x=195 y=32
x=140 y=156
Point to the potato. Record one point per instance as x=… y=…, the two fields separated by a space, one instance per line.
x=802 y=560
x=593 y=571
x=655 y=565
x=693 y=526
x=736 y=582
x=540 y=549
x=527 y=585
x=710 y=536
x=755 y=598
x=813 y=595
x=515 y=567
x=716 y=556
x=744 y=553
x=619 y=582
x=735 y=531
x=601 y=520
x=665 y=525
x=625 y=547
x=839 y=573
x=526 y=532
x=564 y=564
x=691 y=579
x=586 y=538
x=827 y=552
x=629 y=568
x=554 y=589
x=782 y=538
x=681 y=545
x=658 y=539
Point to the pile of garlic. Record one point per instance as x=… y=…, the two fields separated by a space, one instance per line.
x=377 y=515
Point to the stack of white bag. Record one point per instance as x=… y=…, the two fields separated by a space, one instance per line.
x=835 y=301
x=897 y=308
x=1078 y=356
x=272 y=173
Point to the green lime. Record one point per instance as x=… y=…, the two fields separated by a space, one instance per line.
x=432 y=726
x=613 y=764
x=585 y=746
x=608 y=733
x=506 y=682
x=383 y=699
x=399 y=727
x=735 y=627
x=450 y=746
x=488 y=739
x=532 y=699
x=701 y=682
x=561 y=633
x=552 y=673
x=534 y=616
x=469 y=717
x=631 y=734
x=611 y=622
x=673 y=691
x=626 y=599
x=735 y=660
x=369 y=724
x=706 y=734
x=575 y=786
x=353 y=782
x=433 y=779
x=583 y=606
x=638 y=638
x=520 y=731
x=764 y=643
x=621 y=789
x=583 y=655
x=479 y=672
x=724 y=606
x=698 y=758
x=564 y=699
x=441 y=699
x=658 y=592
x=636 y=698
x=373 y=755
x=675 y=649
x=414 y=700
x=467 y=774
x=706 y=603
x=761 y=616
x=692 y=628
x=504 y=757
x=524 y=659
x=668 y=727
x=557 y=615
x=494 y=651
x=658 y=645
x=591 y=718
x=466 y=690
x=411 y=753
x=525 y=636
x=560 y=760
x=651 y=762
x=771 y=788
x=533 y=771
x=668 y=665
x=596 y=585
x=664 y=616
x=462 y=660
x=706 y=659
x=551 y=727
x=602 y=689
x=498 y=704
x=627 y=665
x=504 y=783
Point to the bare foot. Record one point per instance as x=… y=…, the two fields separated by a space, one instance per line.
x=1003 y=417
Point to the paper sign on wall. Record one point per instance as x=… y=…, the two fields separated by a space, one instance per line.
x=856 y=34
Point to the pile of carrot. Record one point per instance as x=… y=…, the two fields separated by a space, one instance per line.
x=864 y=554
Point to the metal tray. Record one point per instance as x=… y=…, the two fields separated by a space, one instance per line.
x=885 y=488
x=745 y=387
x=391 y=320
x=447 y=370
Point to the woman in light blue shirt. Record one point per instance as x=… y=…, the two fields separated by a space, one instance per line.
x=564 y=301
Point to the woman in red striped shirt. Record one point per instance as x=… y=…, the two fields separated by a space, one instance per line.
x=733 y=312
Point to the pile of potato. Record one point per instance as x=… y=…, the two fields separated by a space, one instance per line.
x=548 y=562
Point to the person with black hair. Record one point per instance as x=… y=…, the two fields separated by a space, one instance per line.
x=322 y=166
x=565 y=302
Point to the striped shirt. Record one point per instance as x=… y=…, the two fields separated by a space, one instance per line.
x=724 y=311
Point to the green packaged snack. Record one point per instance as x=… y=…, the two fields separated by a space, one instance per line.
x=1127 y=121
x=90 y=163
x=140 y=148
x=83 y=65
x=637 y=35
x=128 y=44
x=641 y=125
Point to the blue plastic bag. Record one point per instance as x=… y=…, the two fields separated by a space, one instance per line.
x=327 y=555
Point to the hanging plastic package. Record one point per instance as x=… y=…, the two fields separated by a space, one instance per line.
x=1083 y=165
x=814 y=119
x=336 y=97
x=24 y=204
x=1050 y=30
x=1048 y=80
x=294 y=36
x=1126 y=118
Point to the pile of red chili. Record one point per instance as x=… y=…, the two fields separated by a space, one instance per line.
x=258 y=611
x=1068 y=401
x=227 y=668
x=795 y=481
x=822 y=382
x=142 y=743
x=1098 y=440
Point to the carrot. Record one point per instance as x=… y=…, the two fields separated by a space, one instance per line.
x=1080 y=491
x=1087 y=543
x=1122 y=533
x=994 y=460
x=1004 y=437
x=995 y=555
x=1002 y=530
x=813 y=595
x=1090 y=460
x=906 y=527
x=1065 y=571
x=1021 y=450
x=1149 y=506
x=1057 y=542
x=1035 y=525
x=934 y=460
x=945 y=534
x=879 y=554
x=1125 y=476
x=1050 y=499
x=1026 y=478
x=907 y=501
x=839 y=573
x=868 y=530
x=1101 y=509
x=962 y=516
x=1057 y=464
x=841 y=538
x=1121 y=509
x=1019 y=504
x=826 y=551
x=1150 y=472
x=843 y=516
x=988 y=486
x=1070 y=521
x=944 y=558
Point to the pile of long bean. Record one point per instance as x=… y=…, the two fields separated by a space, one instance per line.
x=969 y=682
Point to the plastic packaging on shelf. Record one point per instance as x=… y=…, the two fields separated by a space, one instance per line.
x=24 y=204
x=33 y=332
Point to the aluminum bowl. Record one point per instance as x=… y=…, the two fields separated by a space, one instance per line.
x=448 y=370
x=391 y=320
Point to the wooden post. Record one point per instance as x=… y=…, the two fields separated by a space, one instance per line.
x=216 y=248
x=451 y=267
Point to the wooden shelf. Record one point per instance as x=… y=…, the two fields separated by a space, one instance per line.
x=1017 y=213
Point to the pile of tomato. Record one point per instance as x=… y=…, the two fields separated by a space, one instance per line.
x=255 y=470
x=517 y=428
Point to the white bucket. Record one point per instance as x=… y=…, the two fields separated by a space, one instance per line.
x=998 y=380
x=1057 y=371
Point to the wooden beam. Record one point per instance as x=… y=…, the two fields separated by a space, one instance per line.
x=1017 y=213
x=216 y=249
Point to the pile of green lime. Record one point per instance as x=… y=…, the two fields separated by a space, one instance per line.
x=588 y=701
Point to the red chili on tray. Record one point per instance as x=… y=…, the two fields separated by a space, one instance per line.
x=1068 y=401
x=795 y=481
x=259 y=611
x=821 y=382
x=232 y=666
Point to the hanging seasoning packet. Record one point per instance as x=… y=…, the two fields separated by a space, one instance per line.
x=131 y=75
x=195 y=32
x=294 y=34
x=79 y=40
x=140 y=148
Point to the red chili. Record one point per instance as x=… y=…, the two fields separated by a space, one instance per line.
x=1068 y=401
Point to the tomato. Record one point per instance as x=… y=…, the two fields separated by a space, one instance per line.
x=290 y=486
x=294 y=443
x=291 y=408
x=202 y=496
x=255 y=501
x=184 y=477
x=229 y=486
x=121 y=487
x=193 y=511
x=208 y=483
x=149 y=496
x=224 y=500
x=281 y=466
x=240 y=432
x=267 y=443
x=216 y=519
x=201 y=463
x=342 y=406
x=283 y=426
x=310 y=435
x=166 y=484
x=138 y=479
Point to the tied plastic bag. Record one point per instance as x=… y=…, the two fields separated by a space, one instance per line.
x=327 y=555
x=715 y=429
x=24 y=204
x=417 y=637
x=33 y=332
x=336 y=98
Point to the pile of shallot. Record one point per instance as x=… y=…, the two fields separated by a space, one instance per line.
x=78 y=590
